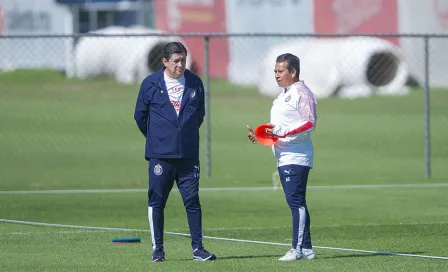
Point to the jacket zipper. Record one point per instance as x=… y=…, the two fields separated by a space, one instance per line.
x=178 y=117
x=164 y=89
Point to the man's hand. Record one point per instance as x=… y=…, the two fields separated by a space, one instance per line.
x=270 y=130
x=251 y=135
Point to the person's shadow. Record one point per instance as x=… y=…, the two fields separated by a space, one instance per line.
x=363 y=255
x=241 y=257
x=354 y=255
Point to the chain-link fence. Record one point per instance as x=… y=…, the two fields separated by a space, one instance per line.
x=382 y=100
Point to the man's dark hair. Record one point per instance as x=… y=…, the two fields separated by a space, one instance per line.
x=173 y=48
x=292 y=61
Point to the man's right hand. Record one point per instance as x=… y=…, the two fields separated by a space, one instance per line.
x=251 y=135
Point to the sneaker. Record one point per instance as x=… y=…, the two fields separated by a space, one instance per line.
x=200 y=254
x=308 y=253
x=292 y=255
x=158 y=255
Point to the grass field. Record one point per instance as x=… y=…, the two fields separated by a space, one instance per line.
x=59 y=134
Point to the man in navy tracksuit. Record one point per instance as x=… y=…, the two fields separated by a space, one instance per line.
x=169 y=112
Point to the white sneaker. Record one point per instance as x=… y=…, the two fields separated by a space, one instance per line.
x=308 y=253
x=291 y=255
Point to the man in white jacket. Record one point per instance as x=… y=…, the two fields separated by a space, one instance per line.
x=293 y=117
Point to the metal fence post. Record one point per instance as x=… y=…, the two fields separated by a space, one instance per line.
x=207 y=104
x=427 y=113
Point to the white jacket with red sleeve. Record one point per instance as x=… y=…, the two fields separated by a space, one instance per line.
x=293 y=114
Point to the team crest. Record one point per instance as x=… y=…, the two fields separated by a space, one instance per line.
x=158 y=170
x=192 y=94
x=288 y=98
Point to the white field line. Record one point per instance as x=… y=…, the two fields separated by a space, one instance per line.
x=231 y=229
x=233 y=189
x=323 y=225
x=18 y=233
x=220 y=238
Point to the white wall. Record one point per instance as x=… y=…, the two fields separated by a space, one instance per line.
x=425 y=17
x=35 y=17
x=261 y=16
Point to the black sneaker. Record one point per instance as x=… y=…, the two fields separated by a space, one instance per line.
x=200 y=254
x=158 y=255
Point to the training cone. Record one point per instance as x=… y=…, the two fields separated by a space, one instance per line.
x=125 y=240
x=263 y=137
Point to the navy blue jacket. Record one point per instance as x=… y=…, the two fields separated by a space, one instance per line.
x=168 y=135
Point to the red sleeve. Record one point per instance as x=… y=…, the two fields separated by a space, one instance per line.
x=302 y=128
x=306 y=107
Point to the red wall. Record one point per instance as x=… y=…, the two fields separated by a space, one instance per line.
x=2 y=20
x=197 y=17
x=356 y=17
x=330 y=16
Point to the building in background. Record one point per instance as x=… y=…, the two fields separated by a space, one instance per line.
x=356 y=17
x=228 y=55
x=34 y=18
x=59 y=17
x=91 y=15
x=197 y=16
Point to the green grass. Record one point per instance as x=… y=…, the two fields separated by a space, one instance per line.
x=57 y=133
x=374 y=219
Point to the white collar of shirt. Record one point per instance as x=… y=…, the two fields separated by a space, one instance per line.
x=180 y=79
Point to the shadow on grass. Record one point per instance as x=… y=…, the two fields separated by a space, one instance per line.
x=362 y=255
x=240 y=257
x=357 y=255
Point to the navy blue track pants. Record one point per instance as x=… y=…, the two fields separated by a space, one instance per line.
x=162 y=174
x=294 y=180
